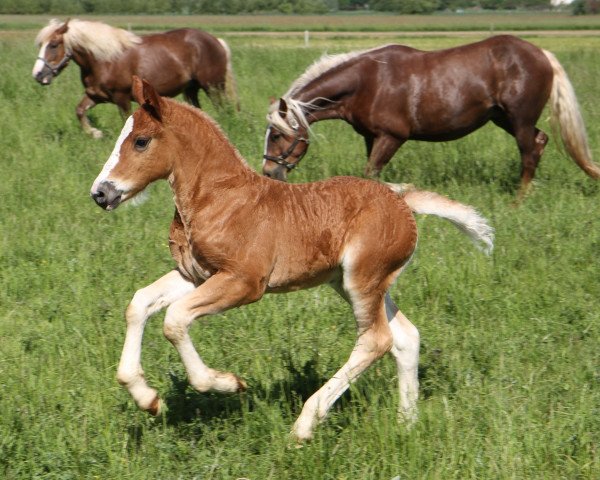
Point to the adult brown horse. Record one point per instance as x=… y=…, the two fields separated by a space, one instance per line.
x=395 y=93
x=184 y=60
x=237 y=235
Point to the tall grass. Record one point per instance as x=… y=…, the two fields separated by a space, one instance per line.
x=509 y=367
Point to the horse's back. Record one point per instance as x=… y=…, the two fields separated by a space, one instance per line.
x=445 y=94
x=184 y=53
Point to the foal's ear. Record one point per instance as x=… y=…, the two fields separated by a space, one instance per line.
x=146 y=96
x=283 y=108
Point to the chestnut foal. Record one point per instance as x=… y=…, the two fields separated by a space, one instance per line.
x=237 y=235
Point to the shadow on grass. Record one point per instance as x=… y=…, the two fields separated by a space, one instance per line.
x=186 y=406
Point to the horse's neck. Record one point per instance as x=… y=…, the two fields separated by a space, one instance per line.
x=85 y=61
x=329 y=93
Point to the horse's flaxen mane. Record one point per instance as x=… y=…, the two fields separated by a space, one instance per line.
x=102 y=40
x=298 y=109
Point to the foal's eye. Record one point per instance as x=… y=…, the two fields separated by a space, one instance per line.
x=275 y=136
x=141 y=143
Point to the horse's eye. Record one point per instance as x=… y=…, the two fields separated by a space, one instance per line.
x=52 y=46
x=275 y=136
x=141 y=143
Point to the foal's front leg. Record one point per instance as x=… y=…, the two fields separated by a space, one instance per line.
x=219 y=293
x=146 y=302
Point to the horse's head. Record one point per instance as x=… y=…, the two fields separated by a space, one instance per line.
x=286 y=142
x=54 y=55
x=135 y=161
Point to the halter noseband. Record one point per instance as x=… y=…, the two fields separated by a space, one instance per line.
x=281 y=159
x=56 y=69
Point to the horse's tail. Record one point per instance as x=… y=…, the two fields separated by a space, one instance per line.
x=566 y=117
x=230 y=83
x=464 y=217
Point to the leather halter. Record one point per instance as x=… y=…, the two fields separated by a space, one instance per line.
x=56 y=69
x=282 y=158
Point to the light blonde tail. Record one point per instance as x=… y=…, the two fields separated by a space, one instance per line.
x=567 y=119
x=230 y=83
x=464 y=217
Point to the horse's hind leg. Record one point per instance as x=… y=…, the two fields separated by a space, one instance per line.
x=190 y=93
x=406 y=352
x=146 y=302
x=531 y=142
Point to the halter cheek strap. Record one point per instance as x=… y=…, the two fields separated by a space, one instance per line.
x=57 y=68
x=282 y=159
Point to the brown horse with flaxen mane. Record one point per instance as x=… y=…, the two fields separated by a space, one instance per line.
x=237 y=235
x=185 y=60
x=395 y=93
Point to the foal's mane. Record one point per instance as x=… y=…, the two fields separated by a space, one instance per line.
x=101 y=40
x=204 y=118
x=299 y=109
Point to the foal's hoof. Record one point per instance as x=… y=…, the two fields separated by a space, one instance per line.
x=155 y=407
x=242 y=385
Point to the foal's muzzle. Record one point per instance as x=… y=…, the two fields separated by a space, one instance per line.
x=107 y=196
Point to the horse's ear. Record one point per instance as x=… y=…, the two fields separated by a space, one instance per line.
x=283 y=107
x=64 y=27
x=146 y=96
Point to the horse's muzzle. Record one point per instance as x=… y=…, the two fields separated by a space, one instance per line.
x=107 y=196
x=44 y=77
x=277 y=173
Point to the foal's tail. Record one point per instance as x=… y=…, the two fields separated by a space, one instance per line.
x=567 y=117
x=230 y=83
x=465 y=217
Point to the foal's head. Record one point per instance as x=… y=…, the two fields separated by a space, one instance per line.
x=136 y=160
x=286 y=142
x=53 y=56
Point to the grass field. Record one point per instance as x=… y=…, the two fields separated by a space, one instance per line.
x=510 y=371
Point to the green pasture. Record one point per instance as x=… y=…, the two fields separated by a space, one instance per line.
x=510 y=363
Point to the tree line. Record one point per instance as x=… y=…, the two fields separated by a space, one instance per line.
x=70 y=7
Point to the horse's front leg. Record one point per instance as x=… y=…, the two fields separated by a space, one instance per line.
x=219 y=293
x=382 y=150
x=84 y=105
x=123 y=102
x=146 y=302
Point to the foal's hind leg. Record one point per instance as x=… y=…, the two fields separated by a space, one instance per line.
x=374 y=340
x=146 y=302
x=406 y=352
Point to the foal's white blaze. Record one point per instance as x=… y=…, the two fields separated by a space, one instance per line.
x=113 y=160
x=39 y=64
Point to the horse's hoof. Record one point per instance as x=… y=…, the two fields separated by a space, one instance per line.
x=96 y=134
